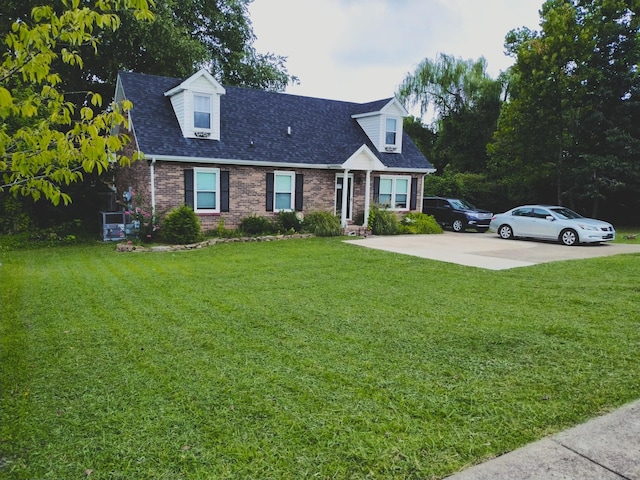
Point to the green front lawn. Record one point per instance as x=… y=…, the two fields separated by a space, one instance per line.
x=300 y=359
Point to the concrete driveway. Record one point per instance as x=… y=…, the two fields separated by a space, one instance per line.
x=487 y=250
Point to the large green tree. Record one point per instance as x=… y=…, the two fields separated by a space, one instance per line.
x=45 y=141
x=179 y=37
x=570 y=131
x=185 y=35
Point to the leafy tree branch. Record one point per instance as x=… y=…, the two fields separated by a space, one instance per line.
x=45 y=140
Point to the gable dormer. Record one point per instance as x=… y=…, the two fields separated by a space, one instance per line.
x=383 y=125
x=196 y=104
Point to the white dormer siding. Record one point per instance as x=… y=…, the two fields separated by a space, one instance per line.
x=177 y=101
x=198 y=96
x=384 y=127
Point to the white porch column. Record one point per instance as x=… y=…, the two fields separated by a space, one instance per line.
x=345 y=199
x=367 y=196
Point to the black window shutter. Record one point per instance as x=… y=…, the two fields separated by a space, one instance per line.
x=269 y=192
x=299 y=184
x=188 y=188
x=414 y=194
x=224 y=191
x=376 y=190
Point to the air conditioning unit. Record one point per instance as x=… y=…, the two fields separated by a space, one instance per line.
x=113 y=228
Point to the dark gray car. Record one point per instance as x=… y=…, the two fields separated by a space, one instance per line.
x=456 y=213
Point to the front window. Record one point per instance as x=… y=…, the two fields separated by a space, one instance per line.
x=391 y=131
x=283 y=190
x=202 y=111
x=394 y=192
x=401 y=193
x=386 y=191
x=207 y=190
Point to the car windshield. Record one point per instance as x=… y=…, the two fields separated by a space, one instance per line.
x=565 y=213
x=462 y=205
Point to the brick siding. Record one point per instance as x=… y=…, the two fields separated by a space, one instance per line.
x=247 y=189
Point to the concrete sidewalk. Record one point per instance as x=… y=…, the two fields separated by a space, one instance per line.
x=487 y=250
x=605 y=448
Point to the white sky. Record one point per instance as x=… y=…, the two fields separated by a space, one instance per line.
x=361 y=50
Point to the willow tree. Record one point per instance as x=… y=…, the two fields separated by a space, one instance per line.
x=465 y=103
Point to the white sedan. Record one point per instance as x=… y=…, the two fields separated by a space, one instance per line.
x=551 y=223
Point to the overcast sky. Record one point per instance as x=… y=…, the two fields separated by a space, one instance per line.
x=361 y=50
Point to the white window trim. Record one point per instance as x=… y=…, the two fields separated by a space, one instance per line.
x=293 y=190
x=393 y=179
x=193 y=114
x=195 y=190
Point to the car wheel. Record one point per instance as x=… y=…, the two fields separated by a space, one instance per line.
x=458 y=225
x=568 y=237
x=505 y=232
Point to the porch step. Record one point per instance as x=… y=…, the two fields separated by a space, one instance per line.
x=356 y=231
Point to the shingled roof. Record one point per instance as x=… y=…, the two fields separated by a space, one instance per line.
x=254 y=128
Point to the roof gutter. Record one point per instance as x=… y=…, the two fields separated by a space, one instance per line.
x=256 y=163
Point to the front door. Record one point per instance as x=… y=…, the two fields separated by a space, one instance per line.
x=339 y=193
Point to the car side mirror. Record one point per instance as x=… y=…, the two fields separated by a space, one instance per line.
x=551 y=218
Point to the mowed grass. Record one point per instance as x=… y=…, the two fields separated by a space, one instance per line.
x=300 y=359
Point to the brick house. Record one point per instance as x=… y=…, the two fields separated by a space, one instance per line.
x=233 y=152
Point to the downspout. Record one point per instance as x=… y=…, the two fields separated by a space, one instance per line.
x=152 y=171
x=345 y=194
x=367 y=197
x=421 y=199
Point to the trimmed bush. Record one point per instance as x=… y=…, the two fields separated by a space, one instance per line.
x=322 y=224
x=256 y=225
x=382 y=222
x=181 y=226
x=419 y=223
x=288 y=222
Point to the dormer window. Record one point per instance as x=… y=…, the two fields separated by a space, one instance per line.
x=391 y=132
x=196 y=103
x=202 y=111
x=383 y=124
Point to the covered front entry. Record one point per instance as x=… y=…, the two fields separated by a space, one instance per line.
x=339 y=194
x=363 y=161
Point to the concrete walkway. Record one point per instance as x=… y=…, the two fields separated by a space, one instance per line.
x=605 y=448
x=487 y=250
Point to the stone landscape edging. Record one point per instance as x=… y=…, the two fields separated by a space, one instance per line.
x=131 y=247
